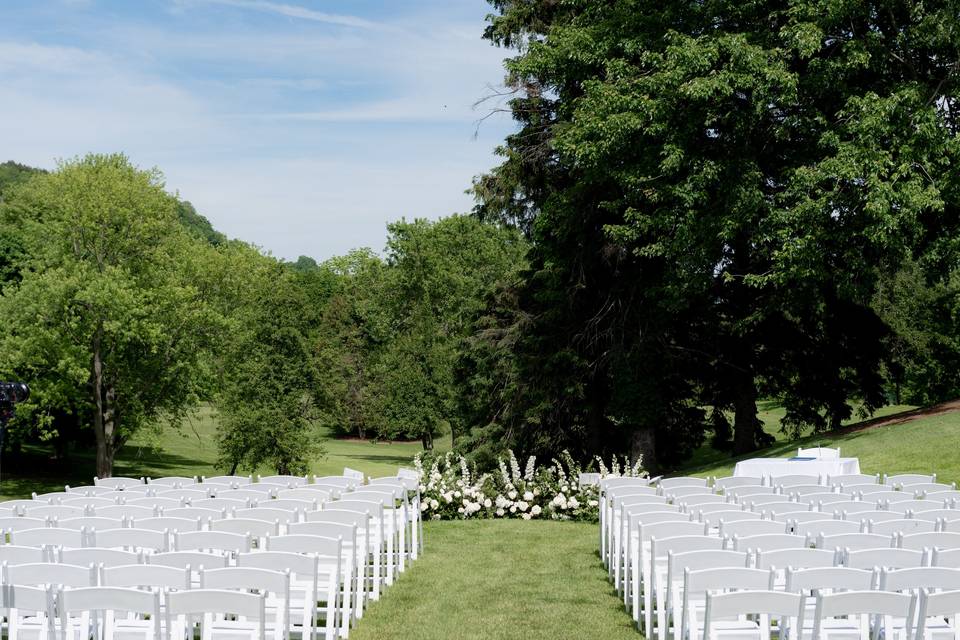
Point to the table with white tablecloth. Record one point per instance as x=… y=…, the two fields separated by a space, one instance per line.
x=762 y=467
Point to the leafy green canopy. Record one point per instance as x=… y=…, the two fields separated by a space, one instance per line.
x=712 y=190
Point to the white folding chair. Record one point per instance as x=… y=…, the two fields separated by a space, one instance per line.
x=167 y=523
x=220 y=504
x=121 y=511
x=667 y=484
x=370 y=572
x=732 y=482
x=11 y=554
x=809 y=582
x=852 y=479
x=746 y=614
x=912 y=504
x=937 y=540
x=744 y=528
x=854 y=541
x=742 y=494
x=29 y=611
x=118 y=612
x=288 y=480
x=675 y=494
x=826 y=528
x=937 y=617
x=44 y=511
x=678 y=564
x=87 y=502
x=901 y=527
x=282 y=516
x=884 y=558
x=129 y=539
x=230 y=481
x=173 y=481
x=607 y=490
x=635 y=573
x=118 y=483
x=257 y=530
x=654 y=577
x=355 y=475
x=792 y=480
x=194 y=513
x=49 y=536
x=907 y=479
x=155 y=502
x=243 y=495
x=346 y=527
x=626 y=544
x=146 y=576
x=381 y=541
x=767 y=542
x=99 y=557
x=270 y=582
x=396 y=511
x=192 y=561
x=217 y=608
x=51 y=573
x=222 y=542
x=193 y=492
x=779 y=560
x=313 y=580
x=848 y=614
x=290 y=505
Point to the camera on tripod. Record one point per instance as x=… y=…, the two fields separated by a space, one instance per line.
x=10 y=394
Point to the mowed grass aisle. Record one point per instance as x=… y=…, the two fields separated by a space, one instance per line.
x=500 y=580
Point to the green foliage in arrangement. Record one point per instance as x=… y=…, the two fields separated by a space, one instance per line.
x=713 y=192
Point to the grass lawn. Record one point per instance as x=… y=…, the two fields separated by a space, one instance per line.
x=189 y=451
x=498 y=580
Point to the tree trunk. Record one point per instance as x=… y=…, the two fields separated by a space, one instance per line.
x=745 y=422
x=103 y=426
x=427 y=440
x=643 y=444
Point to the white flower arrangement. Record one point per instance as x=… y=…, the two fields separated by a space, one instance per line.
x=451 y=489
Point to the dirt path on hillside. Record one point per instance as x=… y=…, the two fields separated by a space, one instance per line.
x=904 y=417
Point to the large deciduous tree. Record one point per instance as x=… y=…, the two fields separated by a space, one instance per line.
x=712 y=190
x=105 y=321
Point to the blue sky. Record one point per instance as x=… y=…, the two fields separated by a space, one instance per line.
x=301 y=126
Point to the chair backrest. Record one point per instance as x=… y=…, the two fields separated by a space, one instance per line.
x=792 y=480
x=242 y=495
x=88 y=490
x=620 y=499
x=89 y=523
x=52 y=573
x=219 y=504
x=935 y=515
x=230 y=481
x=731 y=482
x=705 y=509
x=679 y=562
x=88 y=501
x=675 y=493
x=851 y=507
x=216 y=541
x=829 y=578
x=100 y=557
x=247 y=579
x=852 y=479
x=267 y=488
x=305 y=543
x=288 y=504
x=340 y=516
x=349 y=483
x=119 y=511
x=821 y=453
x=904 y=526
x=156 y=502
x=288 y=480
x=826 y=527
x=768 y=542
x=684 y=481
x=585 y=479
x=865 y=603
x=906 y=479
x=910 y=505
x=874 y=516
x=854 y=541
x=146 y=576
x=916 y=578
x=353 y=474
x=795 y=517
x=300 y=565
x=130 y=539
x=44 y=511
x=930 y=487
x=11 y=554
x=249 y=526
x=690 y=502
x=715 y=518
x=50 y=497
x=117 y=482
x=283 y=516
x=885 y=558
x=106 y=599
x=743 y=528
x=173 y=481
x=193 y=560
x=823 y=500
x=936 y=540
x=742 y=493
x=193 y=492
x=308 y=492
x=49 y=536
x=788 y=607
x=210 y=602
x=194 y=513
x=774 y=511
x=761 y=503
x=670 y=528
x=798 y=558
x=28 y=605
x=14 y=523
x=168 y=523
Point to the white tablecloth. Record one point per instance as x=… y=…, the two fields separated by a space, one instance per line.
x=760 y=467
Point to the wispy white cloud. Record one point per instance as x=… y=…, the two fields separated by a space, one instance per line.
x=302 y=13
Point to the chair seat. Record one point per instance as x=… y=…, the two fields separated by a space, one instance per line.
x=736 y=630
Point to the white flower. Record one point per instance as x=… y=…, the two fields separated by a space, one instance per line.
x=459 y=509
x=535 y=510
x=513 y=509
x=512 y=494
x=592 y=503
x=522 y=505
x=425 y=506
x=434 y=504
x=526 y=516
x=422 y=488
x=487 y=503
x=502 y=502
x=536 y=491
x=466 y=502
x=456 y=494
x=448 y=497
x=573 y=503
x=435 y=516
x=528 y=496
x=500 y=512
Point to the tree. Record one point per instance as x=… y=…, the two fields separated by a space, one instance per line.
x=103 y=321
x=719 y=185
x=268 y=391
